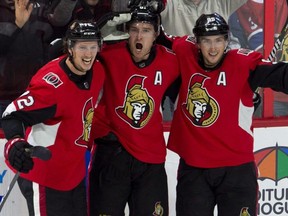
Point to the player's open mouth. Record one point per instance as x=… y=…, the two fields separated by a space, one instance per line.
x=139 y=46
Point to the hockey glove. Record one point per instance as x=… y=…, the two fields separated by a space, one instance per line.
x=16 y=152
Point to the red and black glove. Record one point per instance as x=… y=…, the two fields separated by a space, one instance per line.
x=16 y=151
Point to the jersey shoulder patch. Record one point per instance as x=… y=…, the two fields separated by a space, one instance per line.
x=245 y=52
x=52 y=79
x=191 y=39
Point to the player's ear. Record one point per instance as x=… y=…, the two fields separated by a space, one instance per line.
x=70 y=51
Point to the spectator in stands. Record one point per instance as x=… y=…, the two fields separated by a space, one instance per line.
x=247 y=24
x=25 y=36
x=90 y=10
x=68 y=10
x=179 y=16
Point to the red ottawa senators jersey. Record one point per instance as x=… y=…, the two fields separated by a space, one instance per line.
x=66 y=131
x=132 y=98
x=212 y=125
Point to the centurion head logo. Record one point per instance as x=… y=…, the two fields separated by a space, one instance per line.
x=87 y=117
x=159 y=211
x=244 y=212
x=138 y=106
x=200 y=108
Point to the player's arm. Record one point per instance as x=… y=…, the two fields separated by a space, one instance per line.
x=27 y=110
x=15 y=123
x=16 y=149
x=270 y=75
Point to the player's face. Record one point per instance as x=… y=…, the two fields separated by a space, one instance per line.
x=142 y=37
x=84 y=54
x=212 y=48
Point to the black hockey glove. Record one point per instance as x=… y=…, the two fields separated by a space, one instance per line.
x=16 y=152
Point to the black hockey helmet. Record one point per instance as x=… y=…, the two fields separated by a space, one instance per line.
x=83 y=30
x=145 y=14
x=210 y=24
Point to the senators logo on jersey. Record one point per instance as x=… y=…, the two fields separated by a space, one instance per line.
x=87 y=117
x=138 y=106
x=159 y=211
x=244 y=212
x=200 y=108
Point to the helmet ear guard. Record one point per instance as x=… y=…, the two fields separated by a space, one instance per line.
x=210 y=24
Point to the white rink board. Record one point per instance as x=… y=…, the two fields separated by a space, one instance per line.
x=274 y=195
x=273 y=200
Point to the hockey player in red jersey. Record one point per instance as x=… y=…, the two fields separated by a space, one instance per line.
x=211 y=129
x=128 y=164
x=56 y=112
